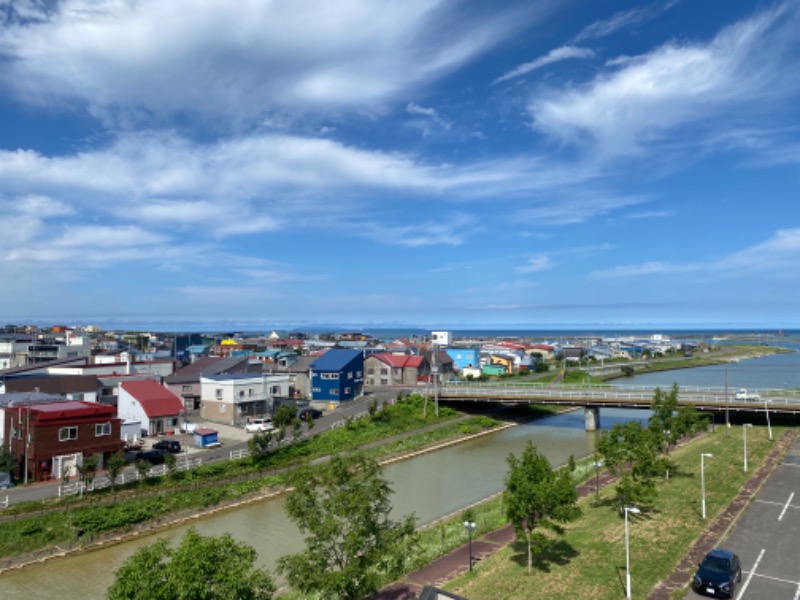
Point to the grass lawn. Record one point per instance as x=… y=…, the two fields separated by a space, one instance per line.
x=589 y=561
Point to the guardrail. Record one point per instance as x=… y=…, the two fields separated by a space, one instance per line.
x=622 y=395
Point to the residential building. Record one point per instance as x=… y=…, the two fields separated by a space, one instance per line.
x=151 y=404
x=59 y=436
x=72 y=387
x=464 y=357
x=12 y=399
x=235 y=397
x=441 y=339
x=337 y=376
x=392 y=369
x=185 y=382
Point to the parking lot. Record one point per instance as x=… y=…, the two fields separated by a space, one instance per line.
x=767 y=537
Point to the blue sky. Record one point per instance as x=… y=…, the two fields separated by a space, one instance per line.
x=423 y=162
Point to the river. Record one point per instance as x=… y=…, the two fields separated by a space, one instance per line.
x=431 y=486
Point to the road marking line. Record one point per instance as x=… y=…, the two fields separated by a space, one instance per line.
x=750 y=576
x=783 y=512
x=770 y=577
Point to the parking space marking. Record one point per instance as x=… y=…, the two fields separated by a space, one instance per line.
x=783 y=512
x=770 y=577
x=750 y=576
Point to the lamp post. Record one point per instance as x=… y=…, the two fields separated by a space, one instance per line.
x=744 y=430
x=597 y=464
x=470 y=527
x=636 y=511
x=766 y=412
x=703 y=480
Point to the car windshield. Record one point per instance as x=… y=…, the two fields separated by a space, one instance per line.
x=716 y=564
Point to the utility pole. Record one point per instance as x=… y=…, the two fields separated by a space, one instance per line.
x=727 y=420
x=27 y=435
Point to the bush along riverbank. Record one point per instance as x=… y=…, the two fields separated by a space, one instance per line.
x=110 y=514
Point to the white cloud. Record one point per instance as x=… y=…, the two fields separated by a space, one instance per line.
x=555 y=55
x=623 y=20
x=430 y=113
x=132 y=61
x=535 y=264
x=577 y=208
x=779 y=254
x=745 y=65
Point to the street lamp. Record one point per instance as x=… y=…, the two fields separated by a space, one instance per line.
x=744 y=429
x=470 y=527
x=703 y=480
x=766 y=411
x=597 y=464
x=636 y=511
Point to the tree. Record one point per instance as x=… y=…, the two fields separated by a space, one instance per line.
x=258 y=445
x=171 y=462
x=297 y=428
x=664 y=419
x=8 y=462
x=88 y=469
x=536 y=497
x=631 y=452
x=284 y=416
x=142 y=468
x=115 y=465
x=200 y=568
x=309 y=422
x=343 y=509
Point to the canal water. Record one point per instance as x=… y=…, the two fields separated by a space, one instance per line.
x=431 y=486
x=776 y=371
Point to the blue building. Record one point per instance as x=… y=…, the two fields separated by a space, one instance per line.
x=465 y=357
x=337 y=376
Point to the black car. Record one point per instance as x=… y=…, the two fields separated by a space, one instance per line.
x=304 y=414
x=168 y=446
x=154 y=457
x=718 y=574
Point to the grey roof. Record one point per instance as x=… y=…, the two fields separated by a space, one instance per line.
x=207 y=367
x=24 y=398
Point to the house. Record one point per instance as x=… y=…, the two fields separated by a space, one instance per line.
x=393 y=369
x=464 y=357
x=440 y=363
x=337 y=376
x=185 y=382
x=73 y=387
x=441 y=339
x=546 y=351
x=60 y=435
x=150 y=403
x=299 y=372
x=8 y=400
x=232 y=398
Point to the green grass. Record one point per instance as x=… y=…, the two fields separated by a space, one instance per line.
x=589 y=562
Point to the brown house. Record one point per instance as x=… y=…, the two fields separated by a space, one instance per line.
x=59 y=436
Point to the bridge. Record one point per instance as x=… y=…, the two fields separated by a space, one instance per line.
x=592 y=398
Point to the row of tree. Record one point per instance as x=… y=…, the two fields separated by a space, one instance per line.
x=351 y=545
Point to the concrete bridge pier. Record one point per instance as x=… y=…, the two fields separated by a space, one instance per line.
x=592 y=416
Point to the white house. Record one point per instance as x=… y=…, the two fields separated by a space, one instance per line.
x=233 y=397
x=153 y=405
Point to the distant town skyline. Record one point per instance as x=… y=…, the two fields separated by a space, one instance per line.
x=425 y=163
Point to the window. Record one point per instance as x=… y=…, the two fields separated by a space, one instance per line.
x=186 y=388
x=67 y=433
x=346 y=390
x=334 y=392
x=371 y=371
x=275 y=390
x=349 y=374
x=330 y=376
x=101 y=429
x=384 y=371
x=317 y=390
x=358 y=374
x=221 y=408
x=219 y=394
x=384 y=382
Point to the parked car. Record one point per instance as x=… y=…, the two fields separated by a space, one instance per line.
x=153 y=456
x=718 y=574
x=306 y=412
x=168 y=446
x=259 y=425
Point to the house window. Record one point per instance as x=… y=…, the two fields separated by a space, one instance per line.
x=371 y=371
x=316 y=390
x=330 y=376
x=384 y=382
x=67 y=433
x=346 y=390
x=101 y=429
x=219 y=394
x=186 y=388
x=358 y=374
x=350 y=375
x=384 y=371
x=334 y=392
x=275 y=390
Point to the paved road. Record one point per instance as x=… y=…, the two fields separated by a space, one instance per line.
x=767 y=537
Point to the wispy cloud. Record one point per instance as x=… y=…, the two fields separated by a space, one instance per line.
x=534 y=264
x=134 y=62
x=579 y=207
x=555 y=55
x=779 y=254
x=621 y=112
x=623 y=20
x=450 y=231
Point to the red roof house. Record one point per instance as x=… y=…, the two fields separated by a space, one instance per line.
x=150 y=403
x=386 y=368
